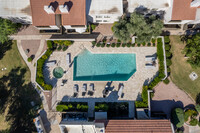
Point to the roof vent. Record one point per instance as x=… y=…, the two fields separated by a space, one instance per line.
x=63 y=8
x=49 y=9
x=195 y=3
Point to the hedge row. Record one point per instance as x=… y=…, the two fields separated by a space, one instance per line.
x=144 y=102
x=40 y=76
x=161 y=75
x=72 y=107
x=59 y=44
x=168 y=56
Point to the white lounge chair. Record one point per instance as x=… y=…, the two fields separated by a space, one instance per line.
x=91 y=87
x=150 y=58
x=150 y=66
x=120 y=90
x=68 y=58
x=84 y=88
x=50 y=63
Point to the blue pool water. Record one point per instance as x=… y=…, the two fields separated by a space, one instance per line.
x=103 y=67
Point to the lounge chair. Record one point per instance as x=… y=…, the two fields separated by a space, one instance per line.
x=50 y=63
x=120 y=90
x=91 y=89
x=84 y=89
x=150 y=66
x=75 y=88
x=150 y=58
x=68 y=58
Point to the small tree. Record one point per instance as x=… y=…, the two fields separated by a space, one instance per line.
x=197 y=107
x=7 y=28
x=178 y=117
x=192 y=50
x=29 y=59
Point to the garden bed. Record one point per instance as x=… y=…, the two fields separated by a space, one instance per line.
x=52 y=46
x=72 y=107
x=113 y=109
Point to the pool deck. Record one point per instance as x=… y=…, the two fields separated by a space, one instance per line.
x=132 y=87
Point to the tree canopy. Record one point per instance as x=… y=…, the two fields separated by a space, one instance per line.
x=7 y=28
x=192 y=50
x=143 y=27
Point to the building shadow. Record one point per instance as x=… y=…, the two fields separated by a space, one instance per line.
x=165 y=106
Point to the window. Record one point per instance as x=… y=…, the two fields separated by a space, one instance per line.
x=105 y=21
x=98 y=16
x=106 y=16
x=98 y=21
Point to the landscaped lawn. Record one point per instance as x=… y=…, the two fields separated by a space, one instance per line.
x=12 y=59
x=16 y=93
x=180 y=69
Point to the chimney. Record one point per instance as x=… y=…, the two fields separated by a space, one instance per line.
x=195 y=3
x=63 y=8
x=49 y=9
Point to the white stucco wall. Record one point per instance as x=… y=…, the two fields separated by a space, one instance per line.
x=16 y=10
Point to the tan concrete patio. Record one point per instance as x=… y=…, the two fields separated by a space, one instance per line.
x=131 y=87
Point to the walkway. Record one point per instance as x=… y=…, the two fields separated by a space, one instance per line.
x=166 y=97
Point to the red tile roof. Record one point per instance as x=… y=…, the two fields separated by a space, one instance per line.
x=136 y=126
x=76 y=15
x=182 y=11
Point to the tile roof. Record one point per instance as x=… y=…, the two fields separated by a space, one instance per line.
x=76 y=15
x=182 y=10
x=136 y=126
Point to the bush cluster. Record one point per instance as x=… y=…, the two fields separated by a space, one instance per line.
x=29 y=59
x=73 y=107
x=101 y=107
x=144 y=102
x=168 y=53
x=40 y=76
x=59 y=44
x=177 y=116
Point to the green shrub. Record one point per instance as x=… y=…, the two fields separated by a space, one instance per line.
x=149 y=44
x=113 y=45
x=144 y=43
x=128 y=45
x=49 y=44
x=59 y=48
x=177 y=117
x=193 y=122
x=166 y=81
x=159 y=40
x=153 y=40
x=168 y=54
x=93 y=43
x=29 y=59
x=103 y=45
x=144 y=102
x=154 y=44
x=124 y=45
x=61 y=108
x=93 y=27
x=64 y=48
x=189 y=113
x=199 y=123
x=47 y=87
x=98 y=44
x=133 y=44
x=197 y=107
x=119 y=41
x=167 y=47
x=168 y=69
x=138 y=44
x=118 y=45
x=107 y=45
x=167 y=40
x=169 y=62
x=101 y=107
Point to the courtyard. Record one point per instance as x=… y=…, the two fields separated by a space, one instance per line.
x=132 y=87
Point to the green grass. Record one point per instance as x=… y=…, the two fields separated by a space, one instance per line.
x=16 y=79
x=180 y=69
x=12 y=59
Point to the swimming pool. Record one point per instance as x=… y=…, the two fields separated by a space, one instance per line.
x=103 y=67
